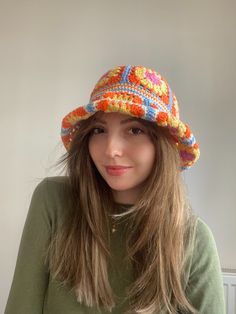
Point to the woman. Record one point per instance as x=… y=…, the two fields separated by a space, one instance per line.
x=117 y=234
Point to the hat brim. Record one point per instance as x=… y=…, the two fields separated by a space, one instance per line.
x=181 y=132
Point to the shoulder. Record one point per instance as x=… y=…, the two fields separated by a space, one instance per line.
x=52 y=196
x=204 y=240
x=205 y=285
x=53 y=187
x=203 y=228
x=52 y=183
x=204 y=251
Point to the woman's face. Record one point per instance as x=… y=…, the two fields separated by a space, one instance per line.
x=123 y=153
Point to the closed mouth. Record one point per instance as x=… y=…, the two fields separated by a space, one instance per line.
x=117 y=170
x=117 y=167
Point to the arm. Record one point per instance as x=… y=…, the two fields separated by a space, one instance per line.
x=205 y=287
x=30 y=278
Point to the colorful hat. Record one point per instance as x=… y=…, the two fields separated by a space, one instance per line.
x=139 y=92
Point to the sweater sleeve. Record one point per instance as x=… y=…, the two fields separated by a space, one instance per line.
x=205 y=287
x=30 y=278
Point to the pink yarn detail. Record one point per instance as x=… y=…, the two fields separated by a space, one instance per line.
x=153 y=78
x=186 y=156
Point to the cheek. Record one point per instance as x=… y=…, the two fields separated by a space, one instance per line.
x=95 y=149
x=142 y=149
x=148 y=155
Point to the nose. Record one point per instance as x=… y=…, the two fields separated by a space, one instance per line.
x=114 y=146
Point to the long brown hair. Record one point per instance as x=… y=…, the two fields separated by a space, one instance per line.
x=160 y=226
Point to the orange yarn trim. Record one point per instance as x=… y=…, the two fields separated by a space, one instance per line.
x=154 y=106
x=162 y=117
x=173 y=110
x=109 y=95
x=114 y=79
x=137 y=111
x=137 y=100
x=165 y=99
x=66 y=124
x=187 y=133
x=102 y=105
x=80 y=112
x=134 y=79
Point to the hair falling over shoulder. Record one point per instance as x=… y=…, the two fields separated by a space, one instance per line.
x=161 y=226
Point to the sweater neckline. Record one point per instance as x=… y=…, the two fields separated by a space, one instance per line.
x=121 y=207
x=119 y=221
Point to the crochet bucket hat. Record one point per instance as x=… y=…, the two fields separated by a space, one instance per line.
x=139 y=92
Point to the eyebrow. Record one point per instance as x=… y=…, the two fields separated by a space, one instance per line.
x=121 y=122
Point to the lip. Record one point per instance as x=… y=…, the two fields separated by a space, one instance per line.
x=117 y=170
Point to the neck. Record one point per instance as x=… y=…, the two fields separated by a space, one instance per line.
x=125 y=197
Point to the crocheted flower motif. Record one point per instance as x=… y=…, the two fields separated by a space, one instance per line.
x=150 y=80
x=153 y=77
x=109 y=78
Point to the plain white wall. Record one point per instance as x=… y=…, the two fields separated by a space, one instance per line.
x=53 y=52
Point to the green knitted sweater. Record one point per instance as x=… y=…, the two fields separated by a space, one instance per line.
x=33 y=291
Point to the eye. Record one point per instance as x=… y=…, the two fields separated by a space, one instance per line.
x=136 y=131
x=96 y=130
